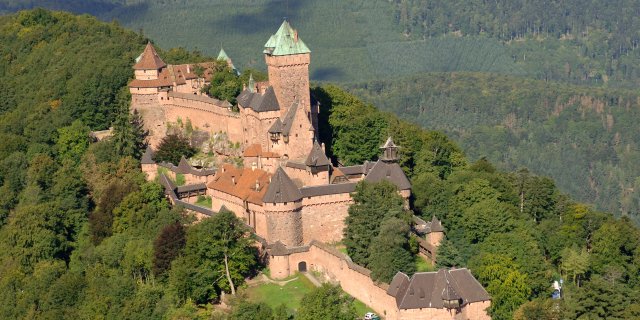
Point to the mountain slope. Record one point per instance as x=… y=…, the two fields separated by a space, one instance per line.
x=585 y=138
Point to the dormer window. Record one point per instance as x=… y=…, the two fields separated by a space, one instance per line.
x=274 y=136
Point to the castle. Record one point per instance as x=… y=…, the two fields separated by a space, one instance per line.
x=287 y=190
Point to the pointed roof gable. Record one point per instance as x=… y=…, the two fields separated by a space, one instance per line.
x=259 y=102
x=316 y=157
x=285 y=42
x=281 y=189
x=435 y=225
x=390 y=171
x=431 y=289
x=149 y=59
x=223 y=55
x=147 y=157
x=183 y=166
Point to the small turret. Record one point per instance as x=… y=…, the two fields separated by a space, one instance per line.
x=389 y=151
x=222 y=55
x=450 y=298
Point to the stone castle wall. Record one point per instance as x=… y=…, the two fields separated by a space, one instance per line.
x=336 y=268
x=284 y=223
x=300 y=175
x=323 y=217
x=355 y=281
x=289 y=76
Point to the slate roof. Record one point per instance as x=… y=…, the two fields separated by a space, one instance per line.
x=434 y=225
x=183 y=166
x=390 y=171
x=281 y=189
x=147 y=157
x=276 y=127
x=149 y=59
x=191 y=187
x=316 y=157
x=357 y=169
x=285 y=42
x=429 y=289
x=327 y=189
x=259 y=102
x=287 y=122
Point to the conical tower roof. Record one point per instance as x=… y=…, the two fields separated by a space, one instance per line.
x=316 y=157
x=281 y=189
x=223 y=55
x=149 y=59
x=285 y=42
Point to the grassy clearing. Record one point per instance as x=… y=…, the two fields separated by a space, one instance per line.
x=204 y=201
x=180 y=179
x=274 y=295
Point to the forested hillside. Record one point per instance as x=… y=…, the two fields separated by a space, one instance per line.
x=592 y=42
x=578 y=41
x=585 y=138
x=516 y=231
x=83 y=235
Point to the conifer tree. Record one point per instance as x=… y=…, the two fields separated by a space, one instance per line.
x=373 y=202
x=390 y=251
x=167 y=247
x=129 y=134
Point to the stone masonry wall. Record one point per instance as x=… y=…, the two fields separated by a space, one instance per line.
x=323 y=217
x=289 y=76
x=284 y=225
x=306 y=177
x=353 y=279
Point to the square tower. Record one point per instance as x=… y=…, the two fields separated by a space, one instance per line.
x=288 y=59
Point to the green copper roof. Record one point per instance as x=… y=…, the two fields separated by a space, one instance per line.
x=285 y=42
x=223 y=55
x=252 y=83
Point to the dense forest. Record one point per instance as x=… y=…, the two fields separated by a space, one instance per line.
x=83 y=235
x=588 y=44
x=592 y=42
x=585 y=138
x=516 y=231
x=602 y=36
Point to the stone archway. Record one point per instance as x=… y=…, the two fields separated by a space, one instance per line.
x=302 y=266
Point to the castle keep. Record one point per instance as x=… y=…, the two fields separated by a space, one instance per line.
x=287 y=190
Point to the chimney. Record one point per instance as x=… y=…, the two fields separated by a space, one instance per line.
x=233 y=180
x=253 y=166
x=323 y=150
x=295 y=36
x=188 y=68
x=257 y=185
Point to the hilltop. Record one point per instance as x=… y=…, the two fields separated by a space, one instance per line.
x=84 y=235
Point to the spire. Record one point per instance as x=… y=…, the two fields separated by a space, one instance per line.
x=149 y=59
x=316 y=157
x=450 y=298
x=390 y=151
x=281 y=189
x=223 y=55
x=285 y=42
x=252 y=84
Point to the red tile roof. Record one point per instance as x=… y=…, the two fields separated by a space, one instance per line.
x=241 y=183
x=149 y=59
x=255 y=150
